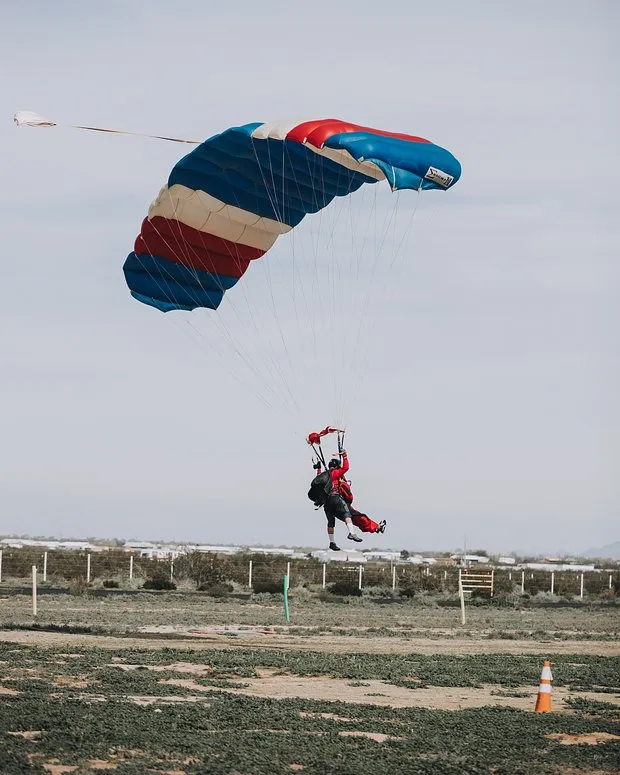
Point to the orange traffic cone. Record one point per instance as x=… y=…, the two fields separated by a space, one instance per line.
x=543 y=701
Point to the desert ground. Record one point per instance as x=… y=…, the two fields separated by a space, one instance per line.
x=186 y=683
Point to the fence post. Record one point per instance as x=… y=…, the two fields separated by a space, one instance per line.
x=34 y=590
x=0 y=564
x=88 y=568
x=131 y=568
x=250 y=576
x=359 y=583
x=552 y=581
x=445 y=575
x=288 y=575
x=171 y=568
x=44 y=566
x=581 y=587
x=393 y=576
x=610 y=581
x=492 y=582
x=509 y=576
x=522 y=582
x=324 y=566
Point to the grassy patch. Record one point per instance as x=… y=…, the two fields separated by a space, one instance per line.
x=233 y=734
x=80 y=701
x=126 y=611
x=582 y=673
x=594 y=707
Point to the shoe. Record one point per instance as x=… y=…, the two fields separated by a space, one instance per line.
x=334 y=547
x=382 y=526
x=354 y=537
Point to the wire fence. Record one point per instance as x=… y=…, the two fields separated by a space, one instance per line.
x=116 y=568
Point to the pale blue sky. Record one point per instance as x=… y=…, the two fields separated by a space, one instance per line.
x=489 y=405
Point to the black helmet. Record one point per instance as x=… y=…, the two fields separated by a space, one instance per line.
x=334 y=463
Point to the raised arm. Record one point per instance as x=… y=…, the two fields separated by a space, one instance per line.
x=338 y=472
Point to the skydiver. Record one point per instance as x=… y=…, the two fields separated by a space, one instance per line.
x=335 y=506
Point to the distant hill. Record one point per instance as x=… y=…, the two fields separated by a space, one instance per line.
x=610 y=550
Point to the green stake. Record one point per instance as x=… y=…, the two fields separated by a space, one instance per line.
x=286 y=613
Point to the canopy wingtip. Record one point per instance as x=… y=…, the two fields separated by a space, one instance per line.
x=30 y=118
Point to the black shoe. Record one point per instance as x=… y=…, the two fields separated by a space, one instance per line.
x=382 y=526
x=354 y=537
x=334 y=547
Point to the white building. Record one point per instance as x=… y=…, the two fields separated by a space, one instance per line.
x=471 y=559
x=325 y=555
x=418 y=559
x=547 y=566
x=20 y=543
x=387 y=556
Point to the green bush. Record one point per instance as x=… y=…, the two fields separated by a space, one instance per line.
x=380 y=592
x=111 y=584
x=431 y=583
x=79 y=586
x=271 y=587
x=502 y=584
x=345 y=588
x=159 y=582
x=216 y=590
x=205 y=569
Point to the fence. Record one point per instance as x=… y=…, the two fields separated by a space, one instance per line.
x=476 y=580
x=264 y=573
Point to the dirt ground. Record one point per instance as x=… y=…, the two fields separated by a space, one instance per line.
x=176 y=612
x=173 y=622
x=184 y=639
x=271 y=683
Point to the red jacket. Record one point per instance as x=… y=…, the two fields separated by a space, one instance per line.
x=336 y=473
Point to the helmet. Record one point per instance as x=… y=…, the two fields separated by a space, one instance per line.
x=334 y=463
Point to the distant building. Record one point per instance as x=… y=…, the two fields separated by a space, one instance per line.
x=20 y=543
x=324 y=555
x=154 y=551
x=134 y=545
x=548 y=566
x=213 y=549
x=418 y=559
x=470 y=559
x=386 y=556
x=270 y=550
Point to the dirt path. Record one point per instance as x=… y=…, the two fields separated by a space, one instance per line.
x=384 y=694
x=331 y=644
x=272 y=683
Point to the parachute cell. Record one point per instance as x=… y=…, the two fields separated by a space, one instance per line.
x=227 y=201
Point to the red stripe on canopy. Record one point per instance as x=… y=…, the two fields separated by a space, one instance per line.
x=318 y=132
x=181 y=244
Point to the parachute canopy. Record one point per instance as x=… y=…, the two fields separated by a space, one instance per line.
x=227 y=201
